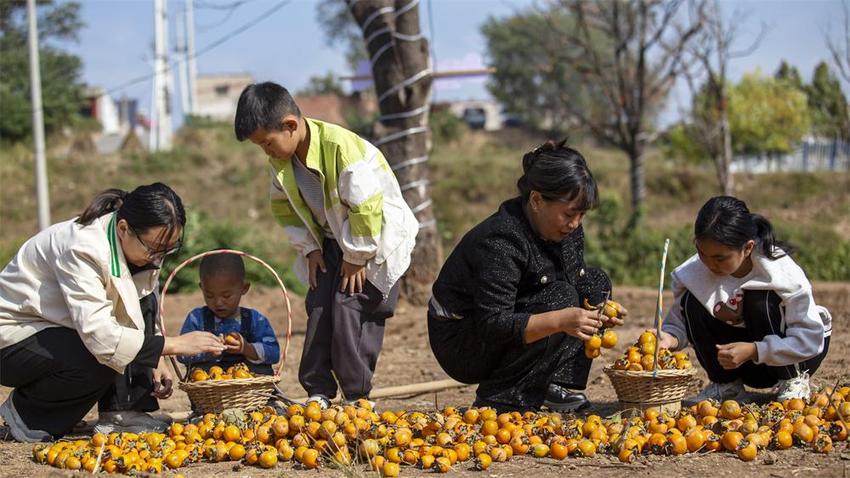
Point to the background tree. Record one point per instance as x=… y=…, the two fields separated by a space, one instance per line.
x=631 y=52
x=767 y=115
x=790 y=74
x=839 y=45
x=341 y=30
x=322 y=85
x=401 y=73
x=60 y=71
x=709 y=112
x=534 y=78
x=827 y=104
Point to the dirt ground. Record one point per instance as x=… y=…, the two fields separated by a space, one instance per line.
x=407 y=358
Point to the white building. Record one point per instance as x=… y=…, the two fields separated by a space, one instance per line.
x=218 y=94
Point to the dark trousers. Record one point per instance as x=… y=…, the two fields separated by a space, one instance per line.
x=56 y=379
x=344 y=332
x=132 y=390
x=762 y=316
x=516 y=377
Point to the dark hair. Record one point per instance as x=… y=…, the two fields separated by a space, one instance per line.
x=224 y=263
x=558 y=172
x=263 y=105
x=728 y=221
x=143 y=208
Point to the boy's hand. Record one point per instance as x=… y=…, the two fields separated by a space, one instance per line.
x=235 y=343
x=315 y=260
x=734 y=355
x=353 y=277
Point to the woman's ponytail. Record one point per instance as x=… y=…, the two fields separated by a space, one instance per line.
x=108 y=201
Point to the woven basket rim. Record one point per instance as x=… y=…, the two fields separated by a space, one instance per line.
x=237 y=382
x=663 y=373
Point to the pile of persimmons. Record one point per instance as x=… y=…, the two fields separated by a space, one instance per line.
x=355 y=435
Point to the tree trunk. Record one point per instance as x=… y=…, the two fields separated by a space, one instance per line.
x=402 y=77
x=637 y=183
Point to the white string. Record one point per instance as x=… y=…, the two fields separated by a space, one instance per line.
x=410 y=162
x=428 y=223
x=377 y=33
x=405 y=114
x=406 y=8
x=404 y=84
x=401 y=134
x=378 y=54
x=374 y=15
x=422 y=206
x=402 y=36
x=415 y=184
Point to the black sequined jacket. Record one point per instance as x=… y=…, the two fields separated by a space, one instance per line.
x=502 y=272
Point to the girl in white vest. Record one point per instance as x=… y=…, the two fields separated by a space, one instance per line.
x=746 y=307
x=77 y=318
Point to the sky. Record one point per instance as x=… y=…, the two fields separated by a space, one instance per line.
x=288 y=46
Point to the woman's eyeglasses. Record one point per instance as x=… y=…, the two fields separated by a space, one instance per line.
x=158 y=253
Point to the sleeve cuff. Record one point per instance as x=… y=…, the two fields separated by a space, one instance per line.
x=261 y=353
x=128 y=347
x=354 y=260
x=761 y=351
x=306 y=252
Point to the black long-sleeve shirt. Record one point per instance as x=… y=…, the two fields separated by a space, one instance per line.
x=502 y=272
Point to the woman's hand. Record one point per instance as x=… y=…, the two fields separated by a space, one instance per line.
x=579 y=322
x=622 y=313
x=162 y=381
x=667 y=340
x=193 y=343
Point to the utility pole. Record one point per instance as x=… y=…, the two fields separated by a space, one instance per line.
x=182 y=65
x=42 y=194
x=162 y=97
x=190 y=55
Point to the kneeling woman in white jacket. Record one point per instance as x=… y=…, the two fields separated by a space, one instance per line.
x=746 y=307
x=77 y=318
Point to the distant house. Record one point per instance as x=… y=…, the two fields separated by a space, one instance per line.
x=217 y=95
x=479 y=114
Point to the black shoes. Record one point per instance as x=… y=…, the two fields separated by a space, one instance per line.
x=560 y=399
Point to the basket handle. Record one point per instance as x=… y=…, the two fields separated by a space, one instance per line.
x=282 y=358
x=658 y=306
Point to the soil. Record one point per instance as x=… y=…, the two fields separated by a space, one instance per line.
x=407 y=358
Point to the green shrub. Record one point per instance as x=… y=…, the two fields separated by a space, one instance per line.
x=445 y=127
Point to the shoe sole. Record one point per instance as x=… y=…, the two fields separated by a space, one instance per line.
x=562 y=408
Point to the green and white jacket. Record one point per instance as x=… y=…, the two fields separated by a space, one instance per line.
x=363 y=203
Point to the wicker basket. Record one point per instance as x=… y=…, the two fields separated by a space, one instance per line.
x=217 y=395
x=663 y=388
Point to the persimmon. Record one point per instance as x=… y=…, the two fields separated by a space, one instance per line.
x=731 y=440
x=747 y=451
x=822 y=444
x=310 y=458
x=803 y=432
x=730 y=409
x=586 y=448
x=594 y=342
x=483 y=461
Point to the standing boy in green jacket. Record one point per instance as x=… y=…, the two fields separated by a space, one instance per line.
x=342 y=209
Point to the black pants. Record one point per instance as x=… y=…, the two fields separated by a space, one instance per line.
x=57 y=380
x=344 y=332
x=762 y=317
x=516 y=377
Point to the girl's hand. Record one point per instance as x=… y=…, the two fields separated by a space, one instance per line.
x=162 y=381
x=667 y=340
x=734 y=355
x=578 y=322
x=315 y=261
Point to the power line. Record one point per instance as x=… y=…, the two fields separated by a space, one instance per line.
x=209 y=47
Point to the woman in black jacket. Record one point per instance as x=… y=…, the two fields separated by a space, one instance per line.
x=506 y=308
